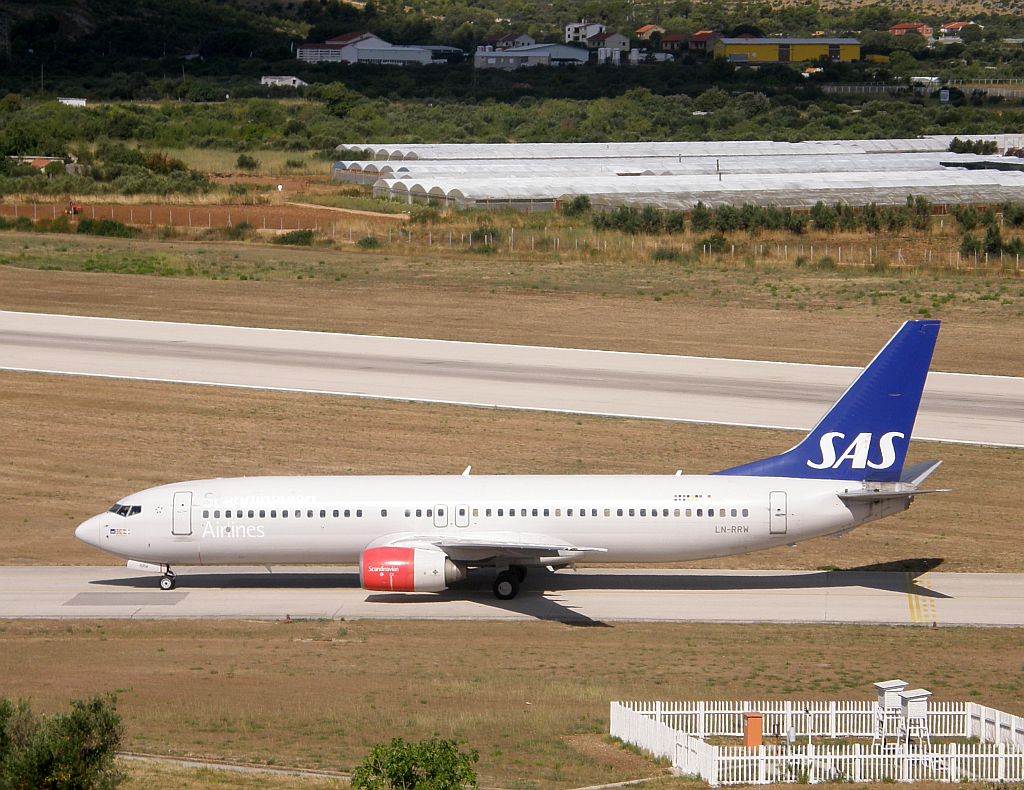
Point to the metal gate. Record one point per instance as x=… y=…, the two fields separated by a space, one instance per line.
x=777 y=513
x=181 y=521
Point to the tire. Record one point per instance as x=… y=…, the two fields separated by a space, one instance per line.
x=167 y=583
x=506 y=585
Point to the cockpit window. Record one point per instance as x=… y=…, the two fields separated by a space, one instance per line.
x=126 y=510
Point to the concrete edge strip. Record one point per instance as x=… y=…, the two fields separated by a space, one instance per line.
x=471 y=404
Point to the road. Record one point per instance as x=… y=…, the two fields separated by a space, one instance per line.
x=587 y=597
x=956 y=407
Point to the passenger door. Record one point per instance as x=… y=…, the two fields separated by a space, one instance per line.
x=181 y=519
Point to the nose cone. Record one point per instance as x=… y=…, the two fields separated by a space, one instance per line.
x=89 y=531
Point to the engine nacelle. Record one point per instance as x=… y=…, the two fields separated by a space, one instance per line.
x=401 y=569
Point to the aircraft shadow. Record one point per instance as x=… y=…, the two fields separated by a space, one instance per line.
x=539 y=597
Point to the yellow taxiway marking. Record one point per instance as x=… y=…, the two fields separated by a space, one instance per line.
x=922 y=608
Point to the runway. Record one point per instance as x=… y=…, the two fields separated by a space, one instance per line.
x=956 y=407
x=587 y=597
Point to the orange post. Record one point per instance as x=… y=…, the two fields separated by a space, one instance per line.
x=753 y=730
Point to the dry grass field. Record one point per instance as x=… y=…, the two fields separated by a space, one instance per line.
x=74 y=445
x=532 y=698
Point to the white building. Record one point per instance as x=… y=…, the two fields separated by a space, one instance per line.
x=537 y=55
x=363 y=47
x=580 y=32
x=71 y=102
x=283 y=82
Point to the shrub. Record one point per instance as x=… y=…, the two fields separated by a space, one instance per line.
x=665 y=254
x=716 y=243
x=242 y=230
x=966 y=216
x=106 y=227
x=701 y=218
x=302 y=238
x=73 y=749
x=59 y=225
x=434 y=764
x=295 y=163
x=368 y=243
x=970 y=245
x=246 y=162
x=577 y=206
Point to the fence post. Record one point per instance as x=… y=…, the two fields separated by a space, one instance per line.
x=858 y=768
x=659 y=709
x=762 y=766
x=1001 y=761
x=953 y=767
x=701 y=728
x=832 y=719
x=810 y=764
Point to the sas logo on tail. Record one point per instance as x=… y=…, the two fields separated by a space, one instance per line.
x=856 y=452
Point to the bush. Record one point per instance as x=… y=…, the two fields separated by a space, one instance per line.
x=19 y=223
x=434 y=764
x=295 y=163
x=712 y=244
x=242 y=230
x=665 y=254
x=59 y=225
x=368 y=243
x=701 y=218
x=958 y=146
x=301 y=238
x=970 y=245
x=577 y=206
x=66 y=750
x=106 y=227
x=246 y=162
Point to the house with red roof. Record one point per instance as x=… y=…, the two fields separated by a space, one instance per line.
x=925 y=31
x=703 y=41
x=674 y=42
x=955 y=28
x=644 y=33
x=609 y=39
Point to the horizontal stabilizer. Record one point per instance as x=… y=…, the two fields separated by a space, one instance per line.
x=918 y=473
x=870 y=496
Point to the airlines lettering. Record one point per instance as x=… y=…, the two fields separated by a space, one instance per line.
x=234 y=531
x=857 y=451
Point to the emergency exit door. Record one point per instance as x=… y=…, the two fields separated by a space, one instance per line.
x=777 y=513
x=181 y=519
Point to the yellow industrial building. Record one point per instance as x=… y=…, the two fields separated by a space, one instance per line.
x=754 y=51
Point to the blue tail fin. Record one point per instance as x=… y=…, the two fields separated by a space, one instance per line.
x=866 y=434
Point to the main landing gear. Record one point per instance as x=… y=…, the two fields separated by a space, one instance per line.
x=506 y=583
x=167 y=581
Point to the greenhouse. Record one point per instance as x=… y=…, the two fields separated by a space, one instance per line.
x=537 y=177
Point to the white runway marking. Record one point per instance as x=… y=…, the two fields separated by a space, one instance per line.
x=965 y=408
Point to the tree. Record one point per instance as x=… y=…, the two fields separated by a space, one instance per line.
x=434 y=764
x=65 y=750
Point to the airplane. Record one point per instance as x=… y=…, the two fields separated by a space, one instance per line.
x=422 y=533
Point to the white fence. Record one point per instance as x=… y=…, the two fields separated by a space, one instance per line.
x=675 y=730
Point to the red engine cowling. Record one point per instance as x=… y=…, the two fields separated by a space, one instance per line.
x=400 y=569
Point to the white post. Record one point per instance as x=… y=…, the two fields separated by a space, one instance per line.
x=701 y=725
x=1001 y=762
x=762 y=766
x=832 y=719
x=953 y=768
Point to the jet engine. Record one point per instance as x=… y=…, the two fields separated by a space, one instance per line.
x=402 y=569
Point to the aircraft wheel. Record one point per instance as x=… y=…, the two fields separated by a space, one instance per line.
x=167 y=583
x=506 y=585
x=519 y=571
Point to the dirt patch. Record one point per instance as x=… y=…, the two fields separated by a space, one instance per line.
x=600 y=750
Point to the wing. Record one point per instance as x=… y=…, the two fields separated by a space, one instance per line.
x=486 y=547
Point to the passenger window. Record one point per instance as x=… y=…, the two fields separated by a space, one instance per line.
x=733 y=512
x=654 y=512
x=593 y=511
x=309 y=514
x=323 y=514
x=721 y=512
x=643 y=511
x=335 y=513
x=476 y=512
x=607 y=512
x=384 y=513
x=273 y=514
x=619 y=511
x=408 y=513
x=700 y=512
x=711 y=512
x=632 y=511
x=430 y=512
x=558 y=511
x=487 y=512
x=348 y=514
x=522 y=511
x=568 y=511
x=746 y=512
x=359 y=514
x=263 y=514
x=512 y=512
x=547 y=511
x=252 y=514
x=419 y=512
x=216 y=514
x=206 y=514
x=535 y=511
x=689 y=512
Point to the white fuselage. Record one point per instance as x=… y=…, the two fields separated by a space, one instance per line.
x=331 y=520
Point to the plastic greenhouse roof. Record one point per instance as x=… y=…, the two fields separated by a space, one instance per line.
x=675 y=150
